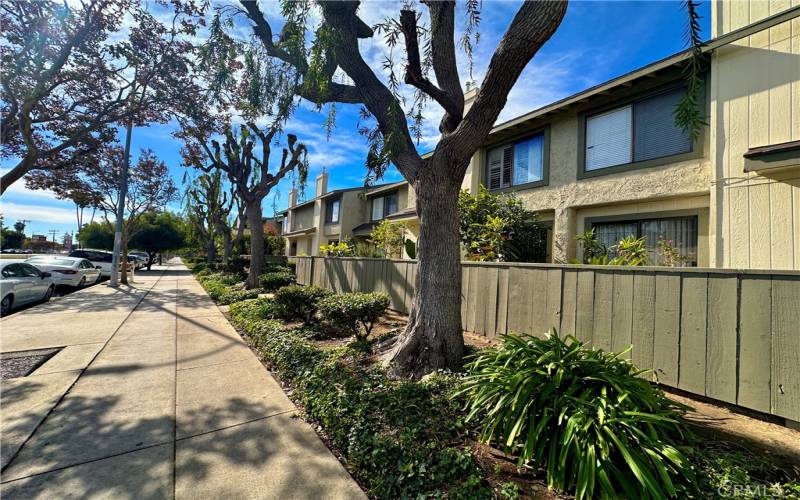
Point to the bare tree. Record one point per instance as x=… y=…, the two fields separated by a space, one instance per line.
x=433 y=338
x=258 y=96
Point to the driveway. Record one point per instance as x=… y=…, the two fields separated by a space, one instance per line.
x=152 y=395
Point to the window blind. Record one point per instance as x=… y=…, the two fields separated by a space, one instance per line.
x=500 y=166
x=608 y=139
x=656 y=135
x=377 y=208
x=528 y=160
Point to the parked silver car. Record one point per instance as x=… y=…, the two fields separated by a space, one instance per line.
x=100 y=258
x=21 y=283
x=70 y=271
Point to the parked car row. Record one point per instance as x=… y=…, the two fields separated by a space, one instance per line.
x=34 y=279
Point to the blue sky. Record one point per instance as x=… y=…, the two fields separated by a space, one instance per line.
x=597 y=41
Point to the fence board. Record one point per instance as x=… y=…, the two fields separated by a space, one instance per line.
x=729 y=335
x=667 y=328
x=519 y=294
x=721 y=337
x=622 y=313
x=569 y=305
x=502 y=302
x=584 y=316
x=490 y=301
x=785 y=394
x=603 y=310
x=553 y=309
x=643 y=320
x=694 y=306
x=755 y=339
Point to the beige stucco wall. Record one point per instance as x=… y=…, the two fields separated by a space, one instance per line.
x=755 y=102
x=566 y=195
x=303 y=218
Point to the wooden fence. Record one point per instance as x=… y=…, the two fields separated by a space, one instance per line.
x=731 y=335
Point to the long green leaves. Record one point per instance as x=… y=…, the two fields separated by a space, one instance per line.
x=583 y=415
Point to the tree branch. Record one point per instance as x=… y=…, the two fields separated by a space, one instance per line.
x=532 y=26
x=414 y=76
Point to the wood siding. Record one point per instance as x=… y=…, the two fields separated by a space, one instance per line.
x=729 y=335
x=755 y=89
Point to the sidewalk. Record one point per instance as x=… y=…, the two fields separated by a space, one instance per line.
x=154 y=396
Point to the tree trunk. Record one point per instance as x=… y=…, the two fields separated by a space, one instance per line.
x=227 y=247
x=256 y=243
x=211 y=249
x=433 y=338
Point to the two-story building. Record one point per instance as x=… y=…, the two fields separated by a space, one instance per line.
x=345 y=214
x=611 y=158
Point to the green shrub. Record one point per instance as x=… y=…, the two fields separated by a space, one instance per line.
x=584 y=415
x=272 y=281
x=299 y=302
x=226 y=279
x=277 y=268
x=401 y=439
x=251 y=310
x=231 y=295
x=353 y=313
x=215 y=289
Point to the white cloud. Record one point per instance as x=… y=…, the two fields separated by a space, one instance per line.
x=19 y=190
x=37 y=213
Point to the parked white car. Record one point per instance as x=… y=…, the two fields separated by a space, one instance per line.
x=21 y=283
x=101 y=258
x=70 y=271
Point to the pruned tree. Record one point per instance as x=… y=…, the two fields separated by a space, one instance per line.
x=433 y=337
x=259 y=96
x=67 y=80
x=209 y=205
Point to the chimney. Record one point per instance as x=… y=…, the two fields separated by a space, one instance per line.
x=322 y=183
x=292 y=197
x=469 y=98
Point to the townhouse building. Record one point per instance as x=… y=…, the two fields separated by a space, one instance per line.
x=345 y=214
x=610 y=158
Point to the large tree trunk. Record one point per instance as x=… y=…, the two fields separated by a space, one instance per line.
x=433 y=338
x=256 y=243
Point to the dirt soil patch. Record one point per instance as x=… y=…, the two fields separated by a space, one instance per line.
x=22 y=363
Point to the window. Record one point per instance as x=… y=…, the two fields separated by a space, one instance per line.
x=13 y=271
x=640 y=131
x=30 y=272
x=517 y=163
x=681 y=231
x=332 y=211
x=384 y=206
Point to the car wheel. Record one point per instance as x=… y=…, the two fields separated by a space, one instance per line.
x=5 y=305
x=82 y=282
x=48 y=294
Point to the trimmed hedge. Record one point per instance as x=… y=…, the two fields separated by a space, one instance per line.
x=300 y=302
x=353 y=313
x=271 y=282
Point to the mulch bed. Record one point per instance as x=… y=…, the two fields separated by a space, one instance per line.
x=22 y=363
